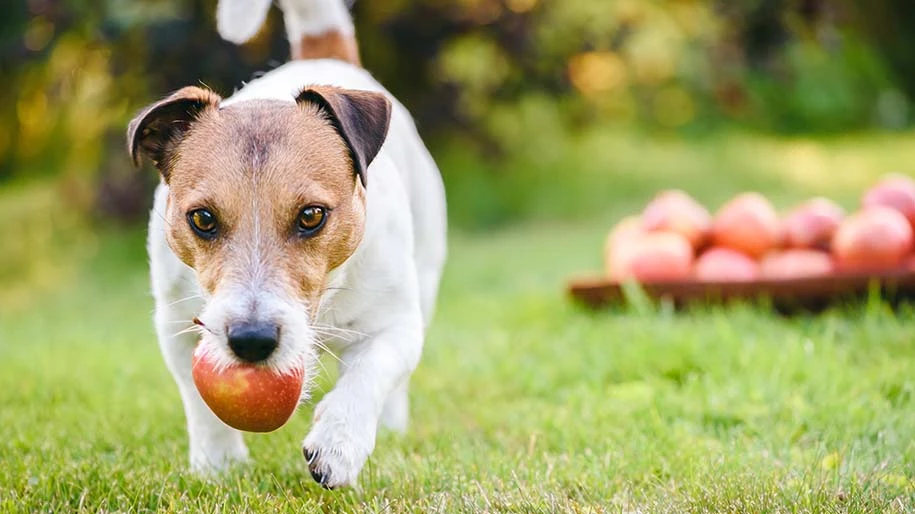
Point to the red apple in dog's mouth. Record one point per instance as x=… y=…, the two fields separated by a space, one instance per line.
x=248 y=397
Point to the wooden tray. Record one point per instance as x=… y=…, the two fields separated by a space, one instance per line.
x=786 y=295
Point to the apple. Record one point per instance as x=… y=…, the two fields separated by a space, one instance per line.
x=626 y=230
x=660 y=256
x=796 y=263
x=748 y=223
x=812 y=224
x=675 y=211
x=619 y=244
x=719 y=264
x=895 y=191
x=618 y=262
x=249 y=397
x=872 y=239
x=653 y=257
x=908 y=263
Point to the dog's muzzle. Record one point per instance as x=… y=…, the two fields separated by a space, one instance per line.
x=253 y=341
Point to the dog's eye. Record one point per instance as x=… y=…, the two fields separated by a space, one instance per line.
x=203 y=222
x=311 y=219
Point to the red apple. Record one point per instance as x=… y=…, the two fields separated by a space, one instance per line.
x=812 y=224
x=719 y=264
x=748 y=223
x=660 y=256
x=872 y=239
x=626 y=230
x=675 y=211
x=895 y=191
x=618 y=262
x=908 y=263
x=796 y=263
x=249 y=397
x=652 y=257
x=619 y=244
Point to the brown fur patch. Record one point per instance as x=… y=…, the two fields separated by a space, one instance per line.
x=332 y=44
x=156 y=129
x=256 y=165
x=362 y=119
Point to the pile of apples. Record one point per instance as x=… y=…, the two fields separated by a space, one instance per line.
x=676 y=238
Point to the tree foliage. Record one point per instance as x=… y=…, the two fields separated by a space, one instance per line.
x=486 y=74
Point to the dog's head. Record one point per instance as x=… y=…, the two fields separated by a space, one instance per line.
x=265 y=199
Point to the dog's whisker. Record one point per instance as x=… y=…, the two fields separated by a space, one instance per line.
x=164 y=219
x=310 y=371
x=185 y=299
x=194 y=325
x=327 y=331
x=211 y=331
x=329 y=336
x=329 y=351
x=340 y=288
x=180 y=321
x=337 y=331
x=332 y=328
x=188 y=330
x=323 y=368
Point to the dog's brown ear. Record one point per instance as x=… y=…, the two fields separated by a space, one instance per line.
x=160 y=126
x=361 y=118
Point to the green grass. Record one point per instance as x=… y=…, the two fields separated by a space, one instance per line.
x=524 y=402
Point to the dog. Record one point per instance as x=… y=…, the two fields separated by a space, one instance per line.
x=303 y=214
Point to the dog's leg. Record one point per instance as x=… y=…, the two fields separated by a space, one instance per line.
x=395 y=415
x=346 y=419
x=213 y=445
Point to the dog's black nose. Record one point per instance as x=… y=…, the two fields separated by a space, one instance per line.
x=253 y=342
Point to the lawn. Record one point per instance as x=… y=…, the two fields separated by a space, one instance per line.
x=524 y=402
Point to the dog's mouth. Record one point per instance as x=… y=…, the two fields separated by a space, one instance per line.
x=257 y=327
x=284 y=348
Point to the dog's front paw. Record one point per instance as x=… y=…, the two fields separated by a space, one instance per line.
x=337 y=448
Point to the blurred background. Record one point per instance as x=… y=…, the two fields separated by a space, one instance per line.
x=538 y=111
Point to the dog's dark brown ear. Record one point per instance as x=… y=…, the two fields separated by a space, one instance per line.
x=160 y=126
x=361 y=118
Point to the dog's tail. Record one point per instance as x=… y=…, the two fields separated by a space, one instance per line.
x=317 y=29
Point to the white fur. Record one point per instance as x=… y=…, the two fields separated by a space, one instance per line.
x=315 y=17
x=373 y=315
x=239 y=20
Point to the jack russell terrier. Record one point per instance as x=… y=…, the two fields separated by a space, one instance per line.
x=303 y=213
